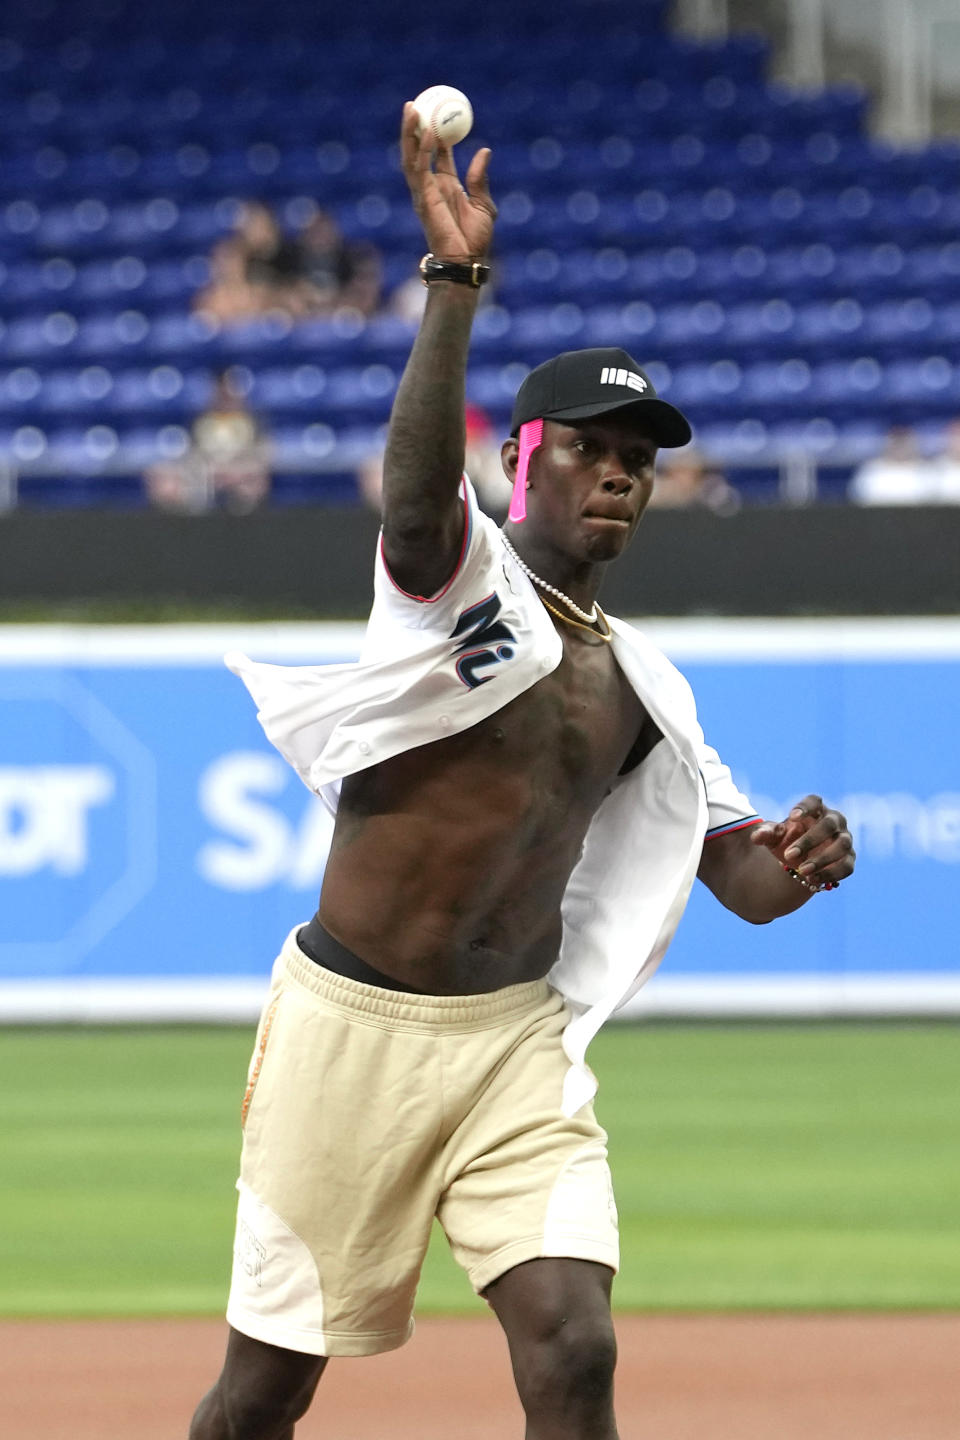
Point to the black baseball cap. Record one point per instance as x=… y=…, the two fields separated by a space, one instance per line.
x=582 y=383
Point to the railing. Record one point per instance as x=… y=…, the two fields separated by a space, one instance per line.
x=916 y=33
x=914 y=43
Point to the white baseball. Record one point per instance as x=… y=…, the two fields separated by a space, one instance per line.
x=446 y=112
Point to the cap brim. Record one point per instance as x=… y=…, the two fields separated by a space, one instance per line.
x=668 y=426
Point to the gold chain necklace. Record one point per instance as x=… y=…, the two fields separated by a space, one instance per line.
x=569 y=620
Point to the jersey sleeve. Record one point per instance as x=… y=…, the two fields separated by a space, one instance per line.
x=729 y=809
x=481 y=557
x=474 y=552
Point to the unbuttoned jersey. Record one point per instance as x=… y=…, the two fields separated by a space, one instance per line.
x=433 y=666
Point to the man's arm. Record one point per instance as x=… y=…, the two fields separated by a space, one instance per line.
x=422 y=516
x=748 y=869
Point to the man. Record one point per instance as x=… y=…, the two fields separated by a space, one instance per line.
x=523 y=792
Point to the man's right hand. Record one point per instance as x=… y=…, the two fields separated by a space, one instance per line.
x=457 y=221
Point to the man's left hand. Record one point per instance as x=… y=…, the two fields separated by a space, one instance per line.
x=813 y=841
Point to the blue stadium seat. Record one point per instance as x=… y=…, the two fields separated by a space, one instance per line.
x=634 y=326
x=43 y=338
x=777 y=390
x=114 y=336
x=162 y=392
x=282 y=390
x=922 y=387
x=898 y=327
x=842 y=388
x=493 y=387
x=543 y=326
x=829 y=326
x=761 y=328
x=945 y=328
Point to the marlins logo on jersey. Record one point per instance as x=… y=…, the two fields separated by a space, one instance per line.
x=484 y=640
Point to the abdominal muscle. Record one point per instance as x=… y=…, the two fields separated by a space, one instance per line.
x=441 y=912
x=449 y=862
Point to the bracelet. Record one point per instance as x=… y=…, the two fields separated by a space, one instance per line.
x=809 y=885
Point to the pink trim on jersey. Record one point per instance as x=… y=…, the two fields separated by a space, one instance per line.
x=467 y=529
x=734 y=826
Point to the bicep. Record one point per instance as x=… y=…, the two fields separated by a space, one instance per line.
x=423 y=545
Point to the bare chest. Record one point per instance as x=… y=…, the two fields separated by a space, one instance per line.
x=535 y=770
x=577 y=725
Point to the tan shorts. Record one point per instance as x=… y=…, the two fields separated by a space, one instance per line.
x=368 y=1112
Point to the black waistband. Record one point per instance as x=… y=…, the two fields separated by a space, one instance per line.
x=320 y=946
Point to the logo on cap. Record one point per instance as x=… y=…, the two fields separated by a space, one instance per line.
x=611 y=376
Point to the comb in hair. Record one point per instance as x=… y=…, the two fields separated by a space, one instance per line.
x=531 y=435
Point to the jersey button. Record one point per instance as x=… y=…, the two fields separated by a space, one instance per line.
x=444 y=722
x=363 y=747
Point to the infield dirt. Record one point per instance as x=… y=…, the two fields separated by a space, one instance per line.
x=743 y=1377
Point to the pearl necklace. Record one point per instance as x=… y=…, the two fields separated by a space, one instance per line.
x=591 y=618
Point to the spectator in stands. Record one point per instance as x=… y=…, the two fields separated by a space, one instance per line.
x=899 y=475
x=230 y=296
x=946 y=467
x=258 y=270
x=226 y=464
x=274 y=262
x=335 y=272
x=686 y=480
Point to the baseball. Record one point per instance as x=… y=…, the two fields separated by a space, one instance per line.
x=446 y=112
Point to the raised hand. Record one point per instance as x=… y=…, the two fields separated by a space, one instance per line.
x=813 y=841
x=457 y=219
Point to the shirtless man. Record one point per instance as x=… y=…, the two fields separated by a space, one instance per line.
x=522 y=792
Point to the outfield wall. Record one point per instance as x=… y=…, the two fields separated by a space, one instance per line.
x=764 y=560
x=154 y=850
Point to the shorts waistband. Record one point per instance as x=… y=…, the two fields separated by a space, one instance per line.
x=317 y=942
x=408 y=1009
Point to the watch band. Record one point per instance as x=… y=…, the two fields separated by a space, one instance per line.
x=461 y=272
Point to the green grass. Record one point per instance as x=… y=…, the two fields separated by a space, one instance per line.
x=756 y=1166
x=786 y=1166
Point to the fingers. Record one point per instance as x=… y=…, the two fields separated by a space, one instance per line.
x=807 y=827
x=769 y=834
x=446 y=172
x=830 y=858
x=810 y=805
x=821 y=846
x=813 y=840
x=445 y=163
x=477 y=181
x=416 y=151
x=409 y=138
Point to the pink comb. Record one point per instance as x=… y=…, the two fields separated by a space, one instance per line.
x=531 y=435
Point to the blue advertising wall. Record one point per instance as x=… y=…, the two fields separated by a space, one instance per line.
x=154 y=849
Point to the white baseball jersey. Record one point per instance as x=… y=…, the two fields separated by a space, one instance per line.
x=433 y=666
